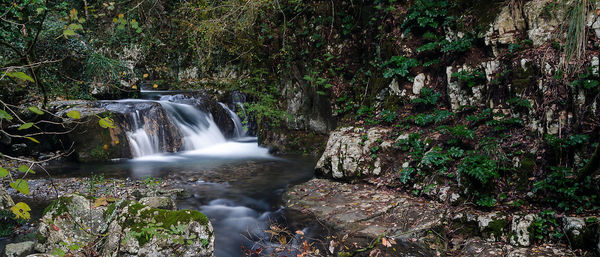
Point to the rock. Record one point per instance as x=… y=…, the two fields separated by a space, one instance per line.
x=19 y=249
x=580 y=233
x=493 y=225
x=546 y=250
x=348 y=152
x=519 y=234
x=6 y=202
x=596 y=62
x=505 y=28
x=477 y=247
x=596 y=27
x=132 y=229
x=418 y=83
x=164 y=203
x=542 y=22
x=307 y=109
x=459 y=95
x=367 y=211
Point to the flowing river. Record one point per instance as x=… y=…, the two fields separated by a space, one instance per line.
x=236 y=183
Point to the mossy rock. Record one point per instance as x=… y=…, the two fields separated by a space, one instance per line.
x=128 y=229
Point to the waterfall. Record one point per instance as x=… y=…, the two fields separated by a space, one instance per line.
x=197 y=128
x=140 y=141
x=239 y=127
x=172 y=123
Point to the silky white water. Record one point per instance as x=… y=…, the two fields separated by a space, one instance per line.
x=199 y=133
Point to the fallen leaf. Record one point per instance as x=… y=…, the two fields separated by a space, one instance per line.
x=385 y=242
x=100 y=202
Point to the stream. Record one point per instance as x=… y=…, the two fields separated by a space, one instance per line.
x=236 y=183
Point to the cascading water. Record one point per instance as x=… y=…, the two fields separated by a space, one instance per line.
x=197 y=128
x=141 y=142
x=239 y=127
x=196 y=131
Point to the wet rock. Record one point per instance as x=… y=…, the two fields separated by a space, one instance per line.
x=164 y=203
x=91 y=142
x=349 y=150
x=19 y=249
x=132 y=229
x=519 y=234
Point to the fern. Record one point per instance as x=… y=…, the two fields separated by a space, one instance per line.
x=479 y=167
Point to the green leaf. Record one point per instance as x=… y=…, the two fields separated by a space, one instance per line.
x=24 y=169
x=33 y=139
x=3 y=172
x=26 y=126
x=68 y=32
x=5 y=115
x=20 y=185
x=74 y=115
x=35 y=110
x=75 y=27
x=106 y=123
x=21 y=76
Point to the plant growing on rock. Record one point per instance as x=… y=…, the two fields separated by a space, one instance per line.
x=399 y=66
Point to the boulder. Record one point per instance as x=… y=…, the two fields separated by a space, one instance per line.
x=19 y=249
x=127 y=228
x=351 y=152
x=164 y=203
x=580 y=231
x=91 y=142
x=520 y=234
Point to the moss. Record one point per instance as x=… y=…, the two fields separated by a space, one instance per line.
x=140 y=216
x=525 y=171
x=59 y=206
x=109 y=210
x=40 y=238
x=523 y=78
x=496 y=228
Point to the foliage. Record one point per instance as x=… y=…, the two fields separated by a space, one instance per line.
x=458 y=45
x=438 y=116
x=479 y=167
x=561 y=188
x=486 y=201
x=428 y=97
x=399 y=66
x=425 y=14
x=545 y=225
x=470 y=78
